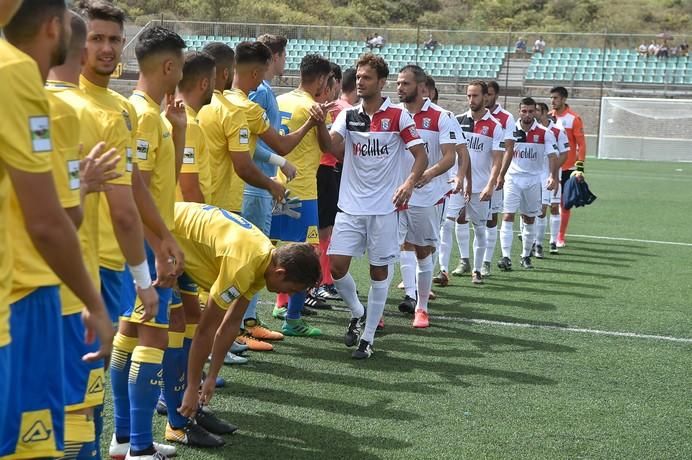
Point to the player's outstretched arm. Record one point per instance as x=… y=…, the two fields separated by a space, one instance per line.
x=248 y=171
x=283 y=145
x=55 y=238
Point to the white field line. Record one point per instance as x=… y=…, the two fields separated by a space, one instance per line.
x=633 y=240
x=574 y=329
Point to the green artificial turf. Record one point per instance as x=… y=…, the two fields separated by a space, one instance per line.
x=468 y=389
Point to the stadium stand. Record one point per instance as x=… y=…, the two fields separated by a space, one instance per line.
x=618 y=65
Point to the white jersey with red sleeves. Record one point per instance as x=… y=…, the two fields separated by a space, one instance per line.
x=531 y=148
x=373 y=150
x=506 y=120
x=434 y=126
x=483 y=137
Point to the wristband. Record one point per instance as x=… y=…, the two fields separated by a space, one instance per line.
x=276 y=160
x=141 y=275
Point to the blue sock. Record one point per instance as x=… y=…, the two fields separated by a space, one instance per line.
x=121 y=360
x=144 y=384
x=251 y=312
x=98 y=430
x=190 y=330
x=295 y=305
x=174 y=378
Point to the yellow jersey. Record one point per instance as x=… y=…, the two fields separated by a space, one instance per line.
x=258 y=123
x=224 y=253
x=156 y=153
x=91 y=132
x=226 y=130
x=294 y=107
x=25 y=144
x=30 y=269
x=196 y=154
x=120 y=124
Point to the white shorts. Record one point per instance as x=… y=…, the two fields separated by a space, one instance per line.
x=477 y=212
x=524 y=195
x=496 y=202
x=550 y=197
x=420 y=225
x=455 y=203
x=353 y=235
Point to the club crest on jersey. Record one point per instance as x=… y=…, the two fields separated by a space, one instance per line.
x=536 y=137
x=229 y=294
x=244 y=136
x=189 y=156
x=484 y=130
x=426 y=123
x=128 y=122
x=39 y=128
x=385 y=124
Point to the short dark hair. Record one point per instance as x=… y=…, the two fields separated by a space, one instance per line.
x=336 y=71
x=79 y=33
x=481 y=83
x=101 y=10
x=156 y=40
x=348 y=80
x=27 y=21
x=276 y=43
x=252 y=53
x=527 y=101
x=313 y=66
x=561 y=91
x=198 y=64
x=494 y=85
x=301 y=262
x=430 y=83
x=419 y=74
x=221 y=52
x=543 y=106
x=376 y=62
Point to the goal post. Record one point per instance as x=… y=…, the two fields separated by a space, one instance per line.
x=645 y=129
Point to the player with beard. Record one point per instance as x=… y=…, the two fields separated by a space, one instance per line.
x=44 y=243
x=419 y=222
x=371 y=139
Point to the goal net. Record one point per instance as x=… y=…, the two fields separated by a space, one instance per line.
x=645 y=129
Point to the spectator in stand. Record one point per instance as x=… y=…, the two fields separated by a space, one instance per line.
x=377 y=41
x=520 y=46
x=662 y=51
x=684 y=49
x=539 y=45
x=643 y=50
x=653 y=48
x=431 y=43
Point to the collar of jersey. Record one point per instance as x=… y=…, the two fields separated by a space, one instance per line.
x=386 y=103
x=533 y=126
x=145 y=96
x=84 y=81
x=190 y=112
x=60 y=84
x=304 y=93
x=485 y=116
x=498 y=109
x=237 y=91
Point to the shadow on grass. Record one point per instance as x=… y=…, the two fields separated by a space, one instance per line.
x=551 y=282
x=525 y=289
x=577 y=241
x=591 y=274
x=267 y=435
x=595 y=255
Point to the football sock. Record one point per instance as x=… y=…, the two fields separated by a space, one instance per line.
x=295 y=305
x=446 y=233
x=490 y=242
x=98 y=430
x=190 y=330
x=346 y=287
x=144 y=387
x=564 y=221
x=425 y=276
x=540 y=230
x=121 y=359
x=407 y=263
x=527 y=237
x=324 y=262
x=479 y=242
x=554 y=227
x=506 y=235
x=174 y=364
x=463 y=237
x=377 y=297
x=80 y=441
x=281 y=299
x=251 y=312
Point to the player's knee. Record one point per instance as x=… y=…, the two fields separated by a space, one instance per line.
x=153 y=337
x=555 y=209
x=176 y=321
x=423 y=251
x=378 y=273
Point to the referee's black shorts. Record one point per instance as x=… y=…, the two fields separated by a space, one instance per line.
x=328 y=182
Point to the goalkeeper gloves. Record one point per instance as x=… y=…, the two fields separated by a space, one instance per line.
x=289 y=206
x=580 y=168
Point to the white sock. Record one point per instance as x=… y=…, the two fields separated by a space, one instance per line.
x=479 y=242
x=527 y=237
x=490 y=243
x=463 y=237
x=446 y=233
x=506 y=237
x=425 y=276
x=346 y=287
x=407 y=263
x=540 y=230
x=377 y=297
x=521 y=227
x=554 y=227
